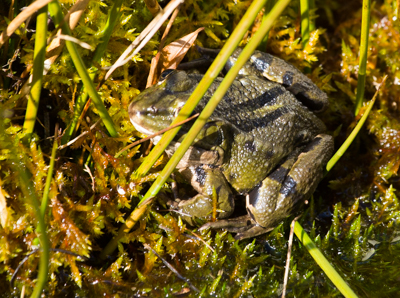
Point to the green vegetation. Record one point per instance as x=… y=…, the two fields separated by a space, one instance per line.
x=353 y=218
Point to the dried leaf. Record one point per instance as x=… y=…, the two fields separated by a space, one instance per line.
x=171 y=56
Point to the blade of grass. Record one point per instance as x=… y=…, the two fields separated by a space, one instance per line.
x=113 y=16
x=125 y=228
x=56 y=14
x=335 y=158
x=209 y=108
x=204 y=84
x=323 y=263
x=28 y=191
x=37 y=73
x=45 y=198
x=311 y=7
x=25 y=183
x=267 y=8
x=366 y=11
x=305 y=21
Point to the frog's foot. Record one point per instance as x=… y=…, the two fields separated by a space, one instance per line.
x=202 y=206
x=210 y=183
x=243 y=226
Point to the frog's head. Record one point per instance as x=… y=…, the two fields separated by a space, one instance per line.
x=156 y=107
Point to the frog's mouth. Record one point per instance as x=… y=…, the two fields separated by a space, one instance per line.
x=140 y=128
x=146 y=131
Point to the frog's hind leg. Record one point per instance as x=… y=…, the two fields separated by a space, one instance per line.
x=272 y=202
x=274 y=199
x=263 y=198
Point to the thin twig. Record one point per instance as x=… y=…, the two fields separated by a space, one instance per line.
x=154 y=135
x=201 y=239
x=87 y=170
x=172 y=268
x=289 y=253
x=75 y=40
x=80 y=136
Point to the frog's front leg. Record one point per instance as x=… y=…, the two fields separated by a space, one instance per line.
x=205 y=179
x=291 y=182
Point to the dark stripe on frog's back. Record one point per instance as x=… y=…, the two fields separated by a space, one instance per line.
x=250 y=113
x=267 y=93
x=248 y=124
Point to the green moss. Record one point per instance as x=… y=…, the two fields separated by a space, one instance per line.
x=354 y=219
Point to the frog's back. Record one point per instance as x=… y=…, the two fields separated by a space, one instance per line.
x=268 y=123
x=258 y=107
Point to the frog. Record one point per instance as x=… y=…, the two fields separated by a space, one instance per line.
x=263 y=143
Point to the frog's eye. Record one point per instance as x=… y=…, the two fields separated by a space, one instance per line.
x=165 y=74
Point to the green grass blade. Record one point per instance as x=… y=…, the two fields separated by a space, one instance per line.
x=311 y=7
x=56 y=14
x=29 y=192
x=204 y=84
x=305 y=21
x=209 y=108
x=366 y=11
x=323 y=263
x=37 y=73
x=27 y=188
x=45 y=198
x=335 y=158
x=267 y=8
x=113 y=17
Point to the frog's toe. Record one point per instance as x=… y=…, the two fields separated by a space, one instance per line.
x=254 y=231
x=234 y=225
x=243 y=226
